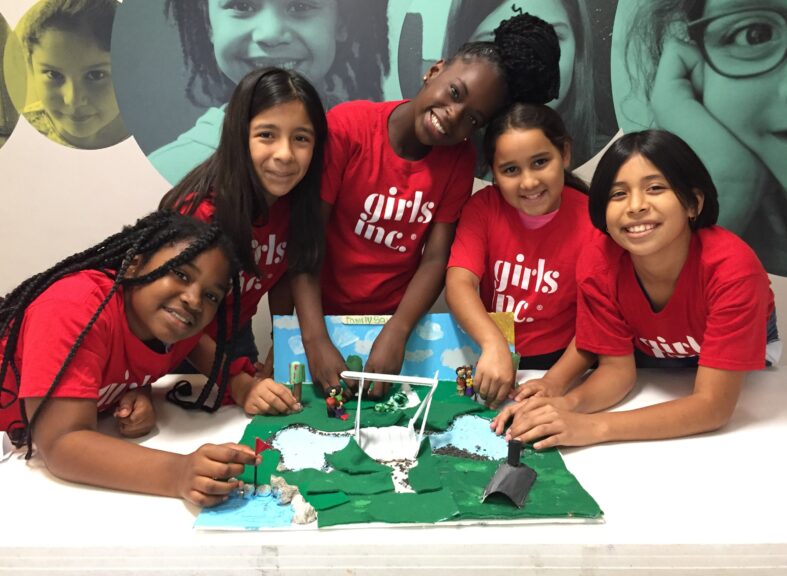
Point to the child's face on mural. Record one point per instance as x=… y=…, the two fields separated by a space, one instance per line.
x=551 y=11
x=181 y=303
x=754 y=109
x=72 y=76
x=298 y=35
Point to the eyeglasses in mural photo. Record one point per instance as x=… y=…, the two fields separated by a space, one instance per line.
x=8 y=53
x=175 y=106
x=713 y=72
x=70 y=97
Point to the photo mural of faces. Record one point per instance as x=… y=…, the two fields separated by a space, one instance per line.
x=9 y=55
x=583 y=29
x=70 y=95
x=713 y=72
x=341 y=46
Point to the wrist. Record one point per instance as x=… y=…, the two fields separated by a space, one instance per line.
x=241 y=377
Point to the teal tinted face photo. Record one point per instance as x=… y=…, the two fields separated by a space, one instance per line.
x=745 y=80
x=713 y=72
x=252 y=34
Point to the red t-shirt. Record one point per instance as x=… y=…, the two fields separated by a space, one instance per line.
x=383 y=207
x=718 y=311
x=111 y=359
x=530 y=273
x=269 y=243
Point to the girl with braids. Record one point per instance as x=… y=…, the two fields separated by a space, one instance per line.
x=396 y=177
x=67 y=46
x=262 y=188
x=518 y=241
x=89 y=335
x=661 y=287
x=341 y=46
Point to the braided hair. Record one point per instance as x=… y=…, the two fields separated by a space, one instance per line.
x=359 y=63
x=113 y=256
x=526 y=53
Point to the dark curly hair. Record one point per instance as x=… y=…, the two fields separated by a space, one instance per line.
x=526 y=53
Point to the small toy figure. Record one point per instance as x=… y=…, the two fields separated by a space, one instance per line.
x=469 y=389
x=334 y=403
x=461 y=382
x=297 y=377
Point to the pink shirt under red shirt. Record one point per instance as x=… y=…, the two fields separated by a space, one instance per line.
x=269 y=245
x=718 y=310
x=383 y=207
x=111 y=359
x=527 y=272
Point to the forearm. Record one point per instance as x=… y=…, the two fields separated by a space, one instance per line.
x=606 y=386
x=467 y=308
x=89 y=457
x=421 y=294
x=570 y=366
x=673 y=419
x=308 y=306
x=203 y=356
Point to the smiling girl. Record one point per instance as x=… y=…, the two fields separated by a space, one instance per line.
x=663 y=287
x=262 y=188
x=340 y=46
x=67 y=44
x=396 y=177
x=90 y=334
x=517 y=242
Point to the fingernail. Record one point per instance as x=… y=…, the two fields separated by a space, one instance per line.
x=298 y=407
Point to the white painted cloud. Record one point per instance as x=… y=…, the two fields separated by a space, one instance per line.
x=417 y=355
x=454 y=357
x=296 y=344
x=286 y=322
x=429 y=331
x=343 y=336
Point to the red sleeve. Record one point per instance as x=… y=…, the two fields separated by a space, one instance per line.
x=735 y=330
x=459 y=185
x=469 y=249
x=338 y=151
x=50 y=329
x=601 y=328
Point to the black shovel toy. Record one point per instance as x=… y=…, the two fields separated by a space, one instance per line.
x=512 y=479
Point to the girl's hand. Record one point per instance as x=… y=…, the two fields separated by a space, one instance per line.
x=265 y=396
x=325 y=363
x=676 y=100
x=203 y=477
x=134 y=413
x=542 y=387
x=545 y=422
x=494 y=375
x=386 y=357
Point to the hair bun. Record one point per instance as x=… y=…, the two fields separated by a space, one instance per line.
x=530 y=53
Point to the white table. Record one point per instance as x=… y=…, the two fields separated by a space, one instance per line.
x=713 y=504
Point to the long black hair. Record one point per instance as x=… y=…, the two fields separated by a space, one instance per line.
x=113 y=256
x=228 y=176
